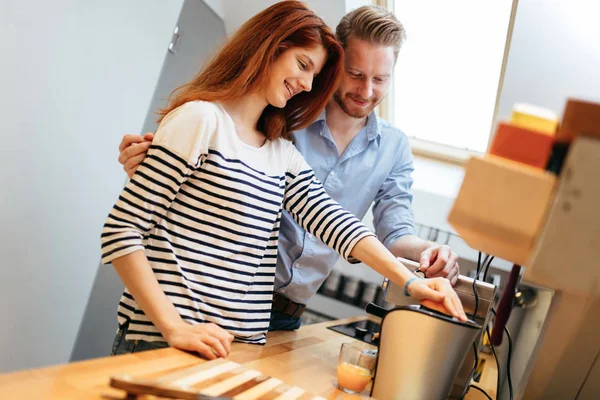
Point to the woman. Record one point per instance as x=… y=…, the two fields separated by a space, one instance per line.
x=194 y=233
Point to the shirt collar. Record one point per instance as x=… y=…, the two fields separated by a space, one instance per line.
x=373 y=129
x=321 y=116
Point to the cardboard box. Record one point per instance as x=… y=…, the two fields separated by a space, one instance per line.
x=501 y=206
x=566 y=255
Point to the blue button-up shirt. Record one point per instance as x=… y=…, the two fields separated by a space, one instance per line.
x=374 y=169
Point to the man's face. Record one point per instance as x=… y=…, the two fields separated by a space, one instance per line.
x=367 y=77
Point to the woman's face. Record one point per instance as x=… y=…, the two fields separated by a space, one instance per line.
x=292 y=72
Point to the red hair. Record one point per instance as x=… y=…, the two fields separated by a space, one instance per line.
x=242 y=65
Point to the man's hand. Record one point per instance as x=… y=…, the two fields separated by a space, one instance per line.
x=440 y=261
x=132 y=151
x=208 y=339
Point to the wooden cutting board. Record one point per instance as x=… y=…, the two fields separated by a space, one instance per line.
x=213 y=379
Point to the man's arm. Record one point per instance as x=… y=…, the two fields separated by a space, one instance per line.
x=434 y=259
x=394 y=222
x=132 y=151
x=392 y=210
x=410 y=247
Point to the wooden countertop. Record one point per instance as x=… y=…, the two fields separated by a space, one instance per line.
x=306 y=358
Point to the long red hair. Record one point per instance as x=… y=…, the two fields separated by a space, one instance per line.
x=242 y=65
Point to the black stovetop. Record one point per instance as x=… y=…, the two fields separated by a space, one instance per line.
x=361 y=330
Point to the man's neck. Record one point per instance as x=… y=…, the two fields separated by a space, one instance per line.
x=343 y=127
x=341 y=124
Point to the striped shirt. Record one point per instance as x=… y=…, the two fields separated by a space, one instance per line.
x=206 y=208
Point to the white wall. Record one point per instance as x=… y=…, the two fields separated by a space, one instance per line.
x=554 y=54
x=75 y=75
x=331 y=11
x=354 y=4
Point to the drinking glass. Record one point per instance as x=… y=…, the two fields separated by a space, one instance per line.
x=355 y=367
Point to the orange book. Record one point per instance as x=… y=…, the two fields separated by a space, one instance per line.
x=522 y=145
x=580 y=118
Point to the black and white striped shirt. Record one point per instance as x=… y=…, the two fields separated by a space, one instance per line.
x=206 y=208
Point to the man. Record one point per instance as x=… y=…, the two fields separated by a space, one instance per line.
x=360 y=159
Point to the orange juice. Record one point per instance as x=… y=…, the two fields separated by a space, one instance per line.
x=353 y=377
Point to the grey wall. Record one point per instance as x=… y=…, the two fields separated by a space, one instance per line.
x=75 y=75
x=201 y=31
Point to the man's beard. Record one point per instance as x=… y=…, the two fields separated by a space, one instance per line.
x=354 y=114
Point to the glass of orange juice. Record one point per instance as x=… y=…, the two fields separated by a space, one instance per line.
x=355 y=367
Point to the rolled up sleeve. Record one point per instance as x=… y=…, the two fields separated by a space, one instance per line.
x=392 y=208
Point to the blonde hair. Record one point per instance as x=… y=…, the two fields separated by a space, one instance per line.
x=372 y=24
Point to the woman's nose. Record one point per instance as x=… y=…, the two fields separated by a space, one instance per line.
x=306 y=83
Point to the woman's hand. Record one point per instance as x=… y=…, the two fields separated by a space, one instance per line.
x=437 y=294
x=208 y=339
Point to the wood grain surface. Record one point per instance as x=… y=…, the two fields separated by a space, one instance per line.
x=306 y=359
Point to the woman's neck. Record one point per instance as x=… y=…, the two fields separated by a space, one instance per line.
x=246 y=110
x=245 y=113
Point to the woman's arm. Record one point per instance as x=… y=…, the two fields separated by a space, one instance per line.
x=207 y=339
x=144 y=202
x=435 y=293
x=311 y=207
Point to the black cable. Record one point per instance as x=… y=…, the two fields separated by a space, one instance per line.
x=481 y=390
x=487 y=330
x=487 y=268
x=510 y=387
x=508 y=375
x=485 y=260
x=474 y=288
x=468 y=386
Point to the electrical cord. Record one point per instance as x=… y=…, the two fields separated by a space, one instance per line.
x=487 y=330
x=510 y=386
x=485 y=260
x=487 y=268
x=481 y=390
x=469 y=386
x=475 y=288
x=508 y=360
